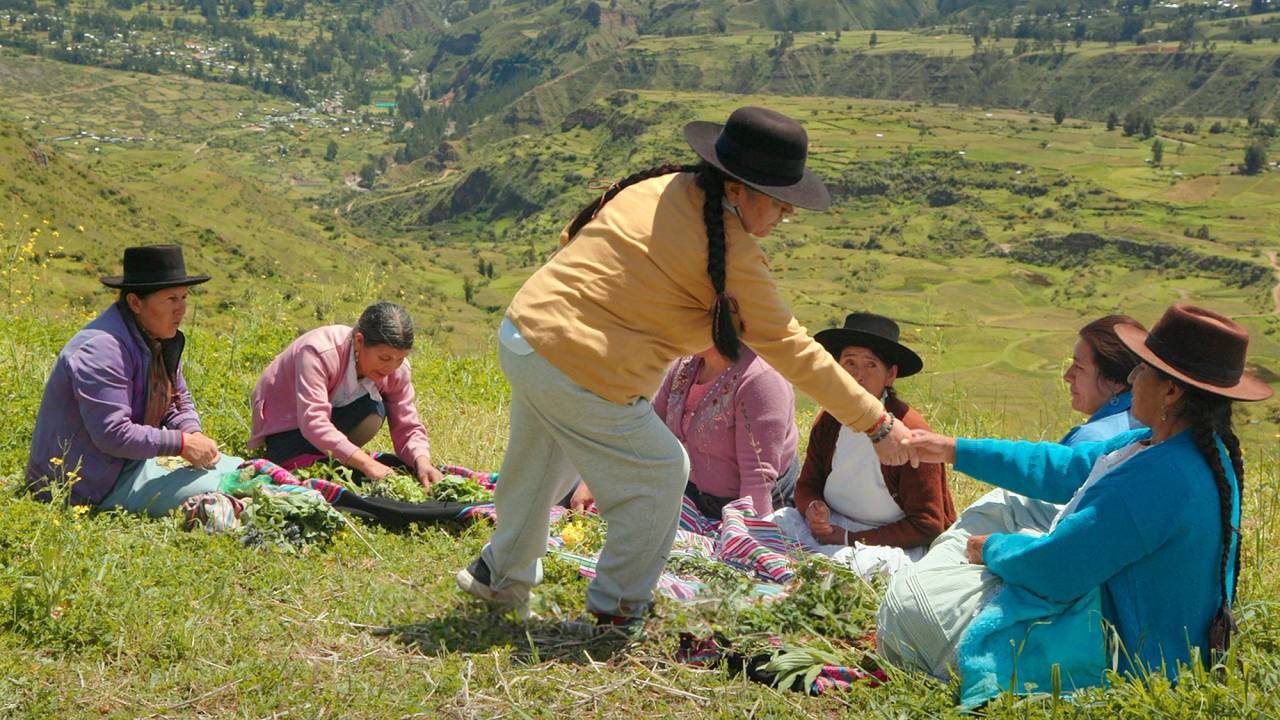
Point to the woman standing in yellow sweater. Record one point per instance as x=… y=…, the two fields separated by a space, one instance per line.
x=662 y=263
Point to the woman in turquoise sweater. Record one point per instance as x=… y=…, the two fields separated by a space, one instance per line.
x=1151 y=517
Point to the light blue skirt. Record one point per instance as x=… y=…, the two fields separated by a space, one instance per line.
x=145 y=486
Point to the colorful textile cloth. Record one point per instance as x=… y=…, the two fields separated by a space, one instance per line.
x=214 y=511
x=750 y=543
x=486 y=480
x=842 y=677
x=260 y=471
x=741 y=540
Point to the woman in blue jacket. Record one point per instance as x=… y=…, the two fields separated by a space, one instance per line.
x=1151 y=517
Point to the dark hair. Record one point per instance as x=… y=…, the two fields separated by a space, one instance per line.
x=1209 y=416
x=1114 y=360
x=724 y=332
x=384 y=323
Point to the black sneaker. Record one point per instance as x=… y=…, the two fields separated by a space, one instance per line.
x=627 y=625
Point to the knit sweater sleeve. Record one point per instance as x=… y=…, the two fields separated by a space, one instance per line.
x=314 y=410
x=923 y=495
x=766 y=414
x=664 y=392
x=1125 y=516
x=1039 y=470
x=408 y=434
x=101 y=385
x=817 y=461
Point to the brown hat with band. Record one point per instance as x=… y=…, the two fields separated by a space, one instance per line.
x=1199 y=347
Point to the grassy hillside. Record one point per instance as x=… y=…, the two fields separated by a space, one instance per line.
x=1089 y=81
x=114 y=616
x=231 y=174
x=991 y=234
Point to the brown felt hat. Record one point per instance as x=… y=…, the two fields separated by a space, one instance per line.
x=1199 y=347
x=764 y=149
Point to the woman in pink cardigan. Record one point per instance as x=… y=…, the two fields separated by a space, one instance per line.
x=737 y=422
x=327 y=394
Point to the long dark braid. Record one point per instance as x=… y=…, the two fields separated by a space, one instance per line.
x=724 y=332
x=587 y=213
x=1210 y=416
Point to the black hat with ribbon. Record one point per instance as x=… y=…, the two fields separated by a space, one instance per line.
x=153 y=267
x=876 y=333
x=764 y=149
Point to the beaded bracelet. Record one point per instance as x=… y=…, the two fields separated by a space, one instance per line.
x=883 y=428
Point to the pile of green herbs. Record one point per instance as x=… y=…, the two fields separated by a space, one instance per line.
x=287 y=520
x=399 y=485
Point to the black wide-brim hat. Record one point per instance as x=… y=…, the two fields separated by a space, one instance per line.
x=153 y=267
x=875 y=332
x=1199 y=347
x=764 y=149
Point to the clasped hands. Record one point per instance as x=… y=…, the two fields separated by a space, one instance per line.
x=903 y=445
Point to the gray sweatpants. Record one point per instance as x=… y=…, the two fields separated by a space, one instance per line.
x=635 y=467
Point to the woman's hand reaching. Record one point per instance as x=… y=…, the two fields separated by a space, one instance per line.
x=894 y=449
x=932 y=447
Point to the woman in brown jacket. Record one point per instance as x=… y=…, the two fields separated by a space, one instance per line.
x=844 y=494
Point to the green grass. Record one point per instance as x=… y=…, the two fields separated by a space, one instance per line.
x=112 y=615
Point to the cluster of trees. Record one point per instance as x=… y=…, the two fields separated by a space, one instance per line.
x=1136 y=122
x=485 y=268
x=339 y=59
x=1050 y=22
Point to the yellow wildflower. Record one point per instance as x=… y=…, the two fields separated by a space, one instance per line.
x=573 y=535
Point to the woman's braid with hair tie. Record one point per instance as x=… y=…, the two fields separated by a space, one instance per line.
x=711 y=181
x=724 y=332
x=585 y=215
x=1210 y=417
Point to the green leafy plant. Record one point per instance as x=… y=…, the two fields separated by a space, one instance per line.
x=455 y=488
x=287 y=520
x=397 y=486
